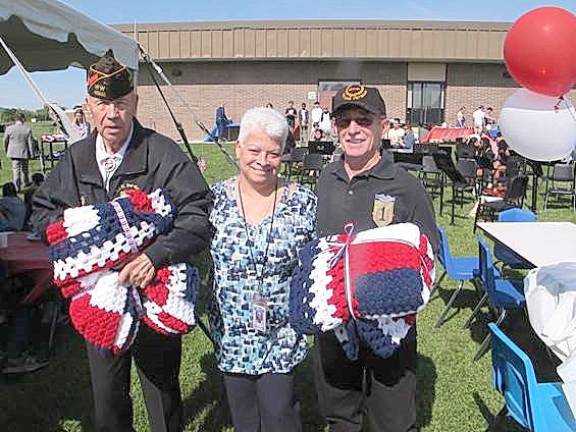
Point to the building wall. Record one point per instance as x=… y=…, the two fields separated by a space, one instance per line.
x=475 y=84
x=243 y=85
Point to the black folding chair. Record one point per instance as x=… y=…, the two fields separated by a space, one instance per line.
x=464 y=151
x=408 y=161
x=433 y=178
x=514 y=198
x=459 y=182
x=561 y=182
x=311 y=169
x=293 y=162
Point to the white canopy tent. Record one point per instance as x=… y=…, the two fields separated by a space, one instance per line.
x=48 y=35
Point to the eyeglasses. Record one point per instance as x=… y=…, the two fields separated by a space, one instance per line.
x=344 y=122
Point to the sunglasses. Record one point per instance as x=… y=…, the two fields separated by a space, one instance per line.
x=344 y=122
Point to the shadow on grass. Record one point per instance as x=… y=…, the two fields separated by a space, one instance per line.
x=495 y=422
x=467 y=299
x=312 y=419
x=56 y=398
x=208 y=404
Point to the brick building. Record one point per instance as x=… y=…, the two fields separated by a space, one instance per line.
x=425 y=70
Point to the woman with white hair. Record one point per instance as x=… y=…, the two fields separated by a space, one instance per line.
x=261 y=222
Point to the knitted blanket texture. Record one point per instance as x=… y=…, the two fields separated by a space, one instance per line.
x=89 y=243
x=366 y=287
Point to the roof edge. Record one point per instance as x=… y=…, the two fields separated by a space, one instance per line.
x=299 y=24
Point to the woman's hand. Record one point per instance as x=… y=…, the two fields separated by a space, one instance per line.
x=138 y=272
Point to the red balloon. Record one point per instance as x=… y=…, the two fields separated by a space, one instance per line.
x=540 y=50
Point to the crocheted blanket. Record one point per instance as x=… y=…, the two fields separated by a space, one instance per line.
x=367 y=287
x=86 y=246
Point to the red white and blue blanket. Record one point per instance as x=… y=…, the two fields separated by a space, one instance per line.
x=86 y=246
x=367 y=287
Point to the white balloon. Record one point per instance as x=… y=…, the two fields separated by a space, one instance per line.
x=538 y=127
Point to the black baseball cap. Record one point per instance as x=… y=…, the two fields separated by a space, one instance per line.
x=356 y=95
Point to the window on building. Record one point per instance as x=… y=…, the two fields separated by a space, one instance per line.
x=328 y=88
x=425 y=104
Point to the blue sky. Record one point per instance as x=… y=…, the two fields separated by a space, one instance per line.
x=67 y=87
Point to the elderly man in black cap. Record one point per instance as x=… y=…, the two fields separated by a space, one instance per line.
x=121 y=154
x=366 y=188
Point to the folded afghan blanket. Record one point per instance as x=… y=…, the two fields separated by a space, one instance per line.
x=90 y=241
x=366 y=287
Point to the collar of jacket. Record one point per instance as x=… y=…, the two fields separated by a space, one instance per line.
x=384 y=169
x=134 y=161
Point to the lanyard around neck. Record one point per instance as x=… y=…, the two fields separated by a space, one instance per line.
x=251 y=244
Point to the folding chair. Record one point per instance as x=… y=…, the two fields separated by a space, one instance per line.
x=538 y=407
x=563 y=174
x=502 y=294
x=514 y=198
x=311 y=168
x=461 y=269
x=432 y=178
x=294 y=161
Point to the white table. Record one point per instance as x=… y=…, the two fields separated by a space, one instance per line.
x=539 y=243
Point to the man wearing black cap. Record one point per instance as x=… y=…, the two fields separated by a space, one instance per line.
x=366 y=188
x=121 y=154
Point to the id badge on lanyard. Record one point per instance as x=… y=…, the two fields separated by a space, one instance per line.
x=259 y=313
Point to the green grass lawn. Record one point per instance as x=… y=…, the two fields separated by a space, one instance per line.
x=454 y=393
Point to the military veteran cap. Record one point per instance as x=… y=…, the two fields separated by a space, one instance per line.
x=108 y=79
x=360 y=96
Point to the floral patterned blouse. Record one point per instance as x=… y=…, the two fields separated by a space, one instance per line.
x=240 y=348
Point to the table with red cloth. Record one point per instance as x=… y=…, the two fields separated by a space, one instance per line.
x=437 y=134
x=30 y=258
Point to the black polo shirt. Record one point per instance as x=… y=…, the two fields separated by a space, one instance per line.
x=385 y=194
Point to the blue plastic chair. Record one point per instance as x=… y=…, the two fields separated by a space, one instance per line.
x=538 y=407
x=461 y=269
x=504 y=254
x=503 y=294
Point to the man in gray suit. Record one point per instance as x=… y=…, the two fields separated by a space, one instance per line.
x=19 y=145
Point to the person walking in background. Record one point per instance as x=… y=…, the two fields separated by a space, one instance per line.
x=291 y=116
x=396 y=134
x=303 y=121
x=19 y=147
x=460 y=117
x=326 y=123
x=221 y=122
x=81 y=126
x=261 y=222
x=478 y=117
x=409 y=139
x=316 y=114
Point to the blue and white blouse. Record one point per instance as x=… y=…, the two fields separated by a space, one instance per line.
x=239 y=347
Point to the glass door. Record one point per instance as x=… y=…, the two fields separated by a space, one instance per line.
x=425 y=104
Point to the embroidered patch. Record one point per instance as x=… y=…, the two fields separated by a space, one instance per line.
x=354 y=92
x=383 y=209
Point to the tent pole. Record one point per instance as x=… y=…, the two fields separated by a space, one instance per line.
x=153 y=65
x=51 y=111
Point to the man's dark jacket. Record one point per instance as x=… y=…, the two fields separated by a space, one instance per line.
x=151 y=161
